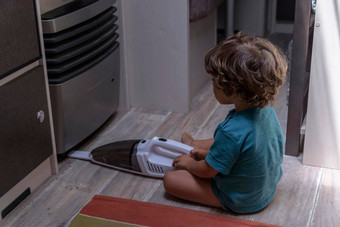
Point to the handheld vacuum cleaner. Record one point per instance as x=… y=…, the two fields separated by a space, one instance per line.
x=151 y=157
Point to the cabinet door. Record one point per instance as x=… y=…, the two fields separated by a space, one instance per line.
x=19 y=40
x=25 y=141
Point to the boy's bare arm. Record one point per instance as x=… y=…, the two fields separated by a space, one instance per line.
x=198 y=168
x=199 y=154
x=201 y=148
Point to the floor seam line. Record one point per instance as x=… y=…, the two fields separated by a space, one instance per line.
x=206 y=120
x=316 y=197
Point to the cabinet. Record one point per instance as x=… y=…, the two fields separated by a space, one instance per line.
x=27 y=148
x=19 y=41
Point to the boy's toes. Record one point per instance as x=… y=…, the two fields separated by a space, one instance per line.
x=187 y=138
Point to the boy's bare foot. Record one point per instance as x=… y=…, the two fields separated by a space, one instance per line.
x=187 y=139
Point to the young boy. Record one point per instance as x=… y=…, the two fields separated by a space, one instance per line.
x=240 y=167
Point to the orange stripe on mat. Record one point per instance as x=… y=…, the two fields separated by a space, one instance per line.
x=151 y=214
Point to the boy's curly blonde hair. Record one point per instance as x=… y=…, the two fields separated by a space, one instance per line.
x=248 y=66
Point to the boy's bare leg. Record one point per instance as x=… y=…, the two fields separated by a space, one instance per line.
x=201 y=144
x=187 y=139
x=184 y=185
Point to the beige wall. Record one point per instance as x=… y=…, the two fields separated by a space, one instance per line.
x=202 y=37
x=156 y=53
x=162 y=54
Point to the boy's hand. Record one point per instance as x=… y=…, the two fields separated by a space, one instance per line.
x=182 y=161
x=199 y=154
x=197 y=168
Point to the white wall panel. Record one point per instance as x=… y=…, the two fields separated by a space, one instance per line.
x=322 y=139
x=163 y=53
x=157 y=53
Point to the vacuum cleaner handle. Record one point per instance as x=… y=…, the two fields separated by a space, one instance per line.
x=167 y=153
x=170 y=148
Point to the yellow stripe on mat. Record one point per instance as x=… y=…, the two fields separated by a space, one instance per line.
x=82 y=220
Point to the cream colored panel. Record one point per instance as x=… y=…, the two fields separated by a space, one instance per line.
x=322 y=141
x=156 y=37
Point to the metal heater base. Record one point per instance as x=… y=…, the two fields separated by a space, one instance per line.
x=81 y=105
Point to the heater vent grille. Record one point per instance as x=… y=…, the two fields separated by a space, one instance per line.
x=155 y=168
x=75 y=50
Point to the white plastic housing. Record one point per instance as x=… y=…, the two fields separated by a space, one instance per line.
x=155 y=156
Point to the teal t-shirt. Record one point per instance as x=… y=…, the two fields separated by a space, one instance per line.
x=247 y=153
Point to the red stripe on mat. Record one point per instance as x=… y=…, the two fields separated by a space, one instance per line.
x=151 y=214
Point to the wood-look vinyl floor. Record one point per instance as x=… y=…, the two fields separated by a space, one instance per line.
x=306 y=195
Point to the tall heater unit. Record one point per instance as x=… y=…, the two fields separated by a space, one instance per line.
x=82 y=55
